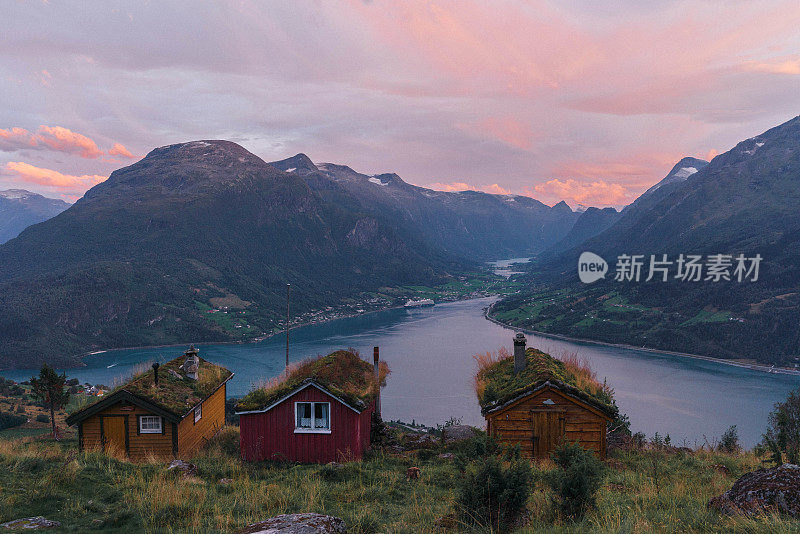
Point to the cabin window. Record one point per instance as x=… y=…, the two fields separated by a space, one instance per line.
x=149 y=424
x=198 y=413
x=312 y=417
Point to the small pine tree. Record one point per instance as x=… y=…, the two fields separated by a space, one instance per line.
x=575 y=482
x=494 y=494
x=729 y=442
x=48 y=387
x=782 y=438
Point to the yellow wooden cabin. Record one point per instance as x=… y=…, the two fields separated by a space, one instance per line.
x=535 y=407
x=167 y=412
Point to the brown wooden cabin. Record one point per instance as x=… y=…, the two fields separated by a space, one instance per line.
x=168 y=412
x=547 y=415
x=545 y=412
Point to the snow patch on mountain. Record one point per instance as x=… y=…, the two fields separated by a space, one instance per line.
x=377 y=181
x=15 y=193
x=685 y=172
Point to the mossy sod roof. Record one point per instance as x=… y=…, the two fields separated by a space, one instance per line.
x=496 y=383
x=176 y=393
x=343 y=373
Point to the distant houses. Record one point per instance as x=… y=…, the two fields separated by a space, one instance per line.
x=169 y=411
x=537 y=402
x=320 y=411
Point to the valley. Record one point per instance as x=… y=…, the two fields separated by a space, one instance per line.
x=745 y=201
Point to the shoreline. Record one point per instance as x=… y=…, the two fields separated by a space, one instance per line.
x=258 y=339
x=562 y=337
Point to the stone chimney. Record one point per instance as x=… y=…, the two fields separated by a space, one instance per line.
x=519 y=352
x=155 y=373
x=191 y=365
x=376 y=358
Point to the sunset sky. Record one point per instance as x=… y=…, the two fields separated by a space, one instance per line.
x=590 y=102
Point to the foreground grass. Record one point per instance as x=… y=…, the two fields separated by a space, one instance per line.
x=647 y=491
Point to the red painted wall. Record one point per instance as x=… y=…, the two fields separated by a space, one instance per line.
x=270 y=435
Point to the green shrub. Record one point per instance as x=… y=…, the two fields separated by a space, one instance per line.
x=426 y=454
x=782 y=438
x=576 y=479
x=729 y=442
x=9 y=420
x=493 y=493
x=227 y=440
x=43 y=418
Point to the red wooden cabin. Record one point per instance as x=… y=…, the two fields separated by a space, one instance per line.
x=321 y=411
x=309 y=425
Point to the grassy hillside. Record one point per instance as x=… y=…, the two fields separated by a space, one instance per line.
x=745 y=201
x=646 y=491
x=142 y=257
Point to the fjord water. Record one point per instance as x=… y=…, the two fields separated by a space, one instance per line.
x=430 y=353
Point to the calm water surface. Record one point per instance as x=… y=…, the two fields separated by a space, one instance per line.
x=430 y=353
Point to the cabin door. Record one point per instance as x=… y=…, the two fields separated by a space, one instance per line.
x=114 y=435
x=548 y=431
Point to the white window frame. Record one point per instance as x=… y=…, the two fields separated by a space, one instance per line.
x=312 y=430
x=151 y=418
x=198 y=413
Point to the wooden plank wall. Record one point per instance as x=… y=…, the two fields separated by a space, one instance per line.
x=192 y=436
x=271 y=436
x=159 y=445
x=514 y=425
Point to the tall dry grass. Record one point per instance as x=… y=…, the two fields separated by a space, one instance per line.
x=585 y=376
x=343 y=369
x=484 y=361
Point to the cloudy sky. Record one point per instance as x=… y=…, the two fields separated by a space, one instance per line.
x=587 y=101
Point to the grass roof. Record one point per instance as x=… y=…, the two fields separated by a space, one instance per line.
x=176 y=394
x=496 y=383
x=343 y=373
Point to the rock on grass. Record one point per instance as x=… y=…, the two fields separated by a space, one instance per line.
x=30 y=523
x=307 y=523
x=763 y=491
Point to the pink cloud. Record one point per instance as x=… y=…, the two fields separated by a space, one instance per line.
x=55 y=138
x=119 y=150
x=790 y=65
x=16 y=138
x=595 y=193
x=65 y=140
x=636 y=172
x=494 y=189
x=27 y=173
x=511 y=131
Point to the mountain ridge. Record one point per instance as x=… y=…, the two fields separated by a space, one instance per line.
x=141 y=258
x=745 y=201
x=20 y=209
x=470 y=224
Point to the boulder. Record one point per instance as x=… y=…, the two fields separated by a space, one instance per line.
x=452 y=434
x=415 y=442
x=30 y=523
x=185 y=467
x=763 y=491
x=307 y=523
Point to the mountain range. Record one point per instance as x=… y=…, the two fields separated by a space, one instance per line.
x=144 y=257
x=469 y=224
x=20 y=208
x=196 y=228
x=745 y=201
